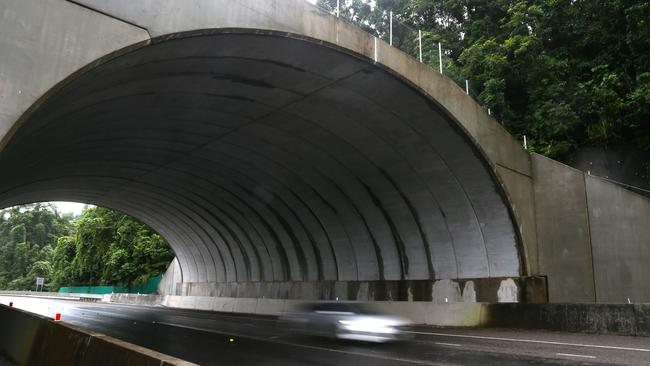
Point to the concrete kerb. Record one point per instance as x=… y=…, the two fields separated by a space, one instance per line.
x=29 y=339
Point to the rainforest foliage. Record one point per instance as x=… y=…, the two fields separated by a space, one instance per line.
x=100 y=247
x=565 y=73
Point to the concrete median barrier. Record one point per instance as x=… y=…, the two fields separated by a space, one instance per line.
x=29 y=339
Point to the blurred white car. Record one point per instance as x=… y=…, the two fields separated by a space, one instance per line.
x=349 y=320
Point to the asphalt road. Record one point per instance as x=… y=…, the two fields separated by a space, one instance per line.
x=230 y=339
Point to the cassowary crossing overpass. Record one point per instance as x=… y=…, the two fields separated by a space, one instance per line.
x=284 y=153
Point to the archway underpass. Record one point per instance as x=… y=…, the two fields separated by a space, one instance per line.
x=267 y=158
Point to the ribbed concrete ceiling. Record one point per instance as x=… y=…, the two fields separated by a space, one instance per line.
x=261 y=157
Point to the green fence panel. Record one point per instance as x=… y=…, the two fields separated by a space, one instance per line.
x=149 y=287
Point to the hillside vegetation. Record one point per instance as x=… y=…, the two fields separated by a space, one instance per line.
x=100 y=247
x=565 y=73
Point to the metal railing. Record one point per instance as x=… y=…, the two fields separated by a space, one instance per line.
x=386 y=25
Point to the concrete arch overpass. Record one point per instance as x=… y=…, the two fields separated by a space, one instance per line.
x=272 y=144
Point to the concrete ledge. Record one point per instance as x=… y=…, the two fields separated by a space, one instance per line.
x=29 y=339
x=622 y=319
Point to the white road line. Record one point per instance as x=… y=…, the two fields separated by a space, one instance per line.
x=532 y=341
x=399 y=359
x=572 y=355
x=448 y=344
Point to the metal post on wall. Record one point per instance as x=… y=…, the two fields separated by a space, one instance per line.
x=391 y=28
x=440 y=55
x=338 y=7
x=525 y=143
x=420 y=43
x=466 y=86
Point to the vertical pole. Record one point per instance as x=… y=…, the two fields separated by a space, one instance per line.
x=375 y=49
x=440 y=55
x=525 y=143
x=466 y=86
x=338 y=7
x=391 y=28
x=420 y=43
x=489 y=112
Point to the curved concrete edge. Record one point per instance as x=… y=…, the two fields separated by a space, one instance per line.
x=299 y=17
x=58 y=50
x=29 y=339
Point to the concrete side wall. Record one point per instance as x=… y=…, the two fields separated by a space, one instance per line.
x=563 y=231
x=172 y=276
x=521 y=194
x=40 y=46
x=593 y=236
x=28 y=339
x=620 y=237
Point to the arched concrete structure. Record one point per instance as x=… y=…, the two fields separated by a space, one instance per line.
x=267 y=141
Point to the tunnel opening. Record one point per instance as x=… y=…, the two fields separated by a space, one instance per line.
x=78 y=248
x=266 y=158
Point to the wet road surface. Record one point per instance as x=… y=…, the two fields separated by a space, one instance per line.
x=210 y=338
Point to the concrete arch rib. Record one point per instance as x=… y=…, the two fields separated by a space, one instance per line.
x=267 y=156
x=300 y=221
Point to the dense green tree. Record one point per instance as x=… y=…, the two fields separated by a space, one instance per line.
x=27 y=235
x=566 y=73
x=101 y=247
x=113 y=249
x=62 y=257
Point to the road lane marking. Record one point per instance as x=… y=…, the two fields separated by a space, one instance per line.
x=448 y=344
x=572 y=355
x=278 y=341
x=531 y=341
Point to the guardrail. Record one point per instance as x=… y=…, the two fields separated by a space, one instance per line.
x=29 y=339
x=54 y=295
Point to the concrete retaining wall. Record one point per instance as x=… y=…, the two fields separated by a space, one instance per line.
x=563 y=231
x=593 y=236
x=619 y=222
x=490 y=290
x=173 y=275
x=28 y=339
x=623 y=319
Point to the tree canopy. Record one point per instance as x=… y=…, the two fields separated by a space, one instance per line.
x=566 y=73
x=101 y=247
